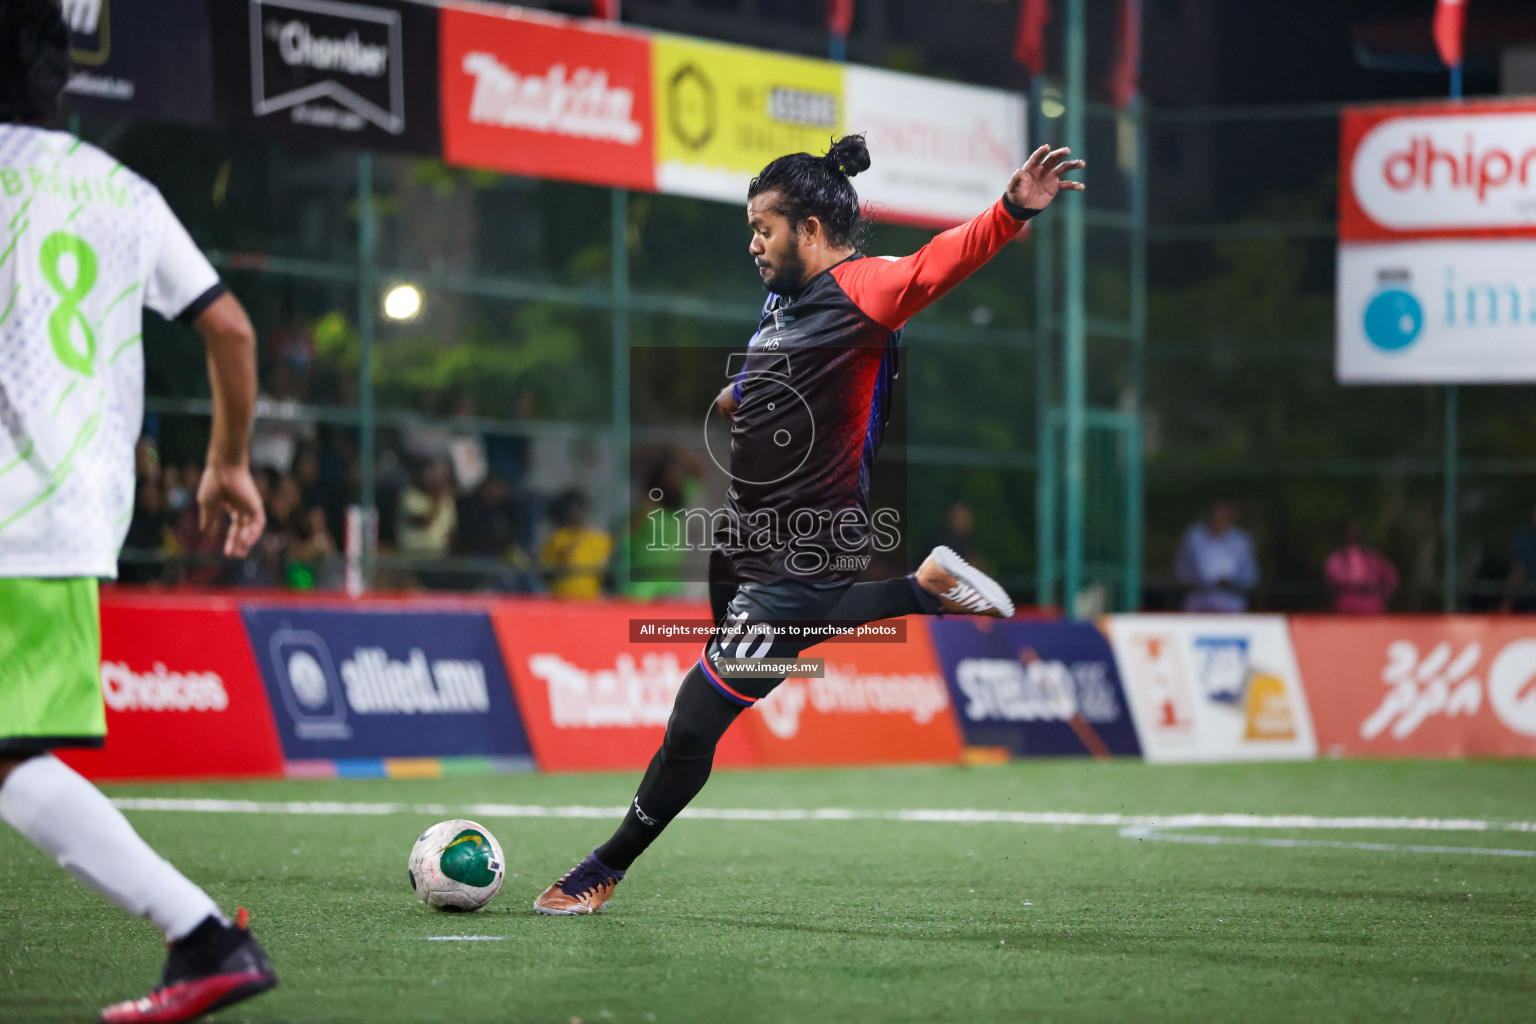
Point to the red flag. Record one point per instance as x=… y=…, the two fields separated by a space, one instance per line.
x=1125 y=77
x=608 y=10
x=1029 y=42
x=839 y=17
x=1450 y=22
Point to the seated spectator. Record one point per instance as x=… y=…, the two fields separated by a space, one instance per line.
x=1361 y=579
x=428 y=518
x=1518 y=591
x=657 y=551
x=576 y=555
x=1216 y=563
x=312 y=555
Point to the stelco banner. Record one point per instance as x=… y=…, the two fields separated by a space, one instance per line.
x=1037 y=688
x=1437 y=244
x=1420 y=686
x=330 y=72
x=1213 y=687
x=377 y=683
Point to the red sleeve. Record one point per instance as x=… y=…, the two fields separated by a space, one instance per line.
x=891 y=290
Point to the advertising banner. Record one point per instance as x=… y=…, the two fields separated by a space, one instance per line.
x=1437 y=236
x=1037 y=688
x=877 y=703
x=592 y=700
x=1420 y=686
x=1437 y=170
x=1213 y=687
x=1437 y=312
x=330 y=72
x=145 y=61
x=530 y=93
x=940 y=152
x=380 y=683
x=723 y=112
x=183 y=696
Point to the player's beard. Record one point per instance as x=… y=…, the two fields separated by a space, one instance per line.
x=786 y=274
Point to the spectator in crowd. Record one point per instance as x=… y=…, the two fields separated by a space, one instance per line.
x=576 y=555
x=1216 y=564
x=657 y=553
x=427 y=520
x=1518 y=591
x=1362 y=580
x=312 y=561
x=491 y=518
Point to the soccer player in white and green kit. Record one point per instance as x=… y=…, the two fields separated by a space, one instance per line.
x=85 y=245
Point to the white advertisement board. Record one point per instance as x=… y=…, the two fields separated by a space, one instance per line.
x=939 y=152
x=1433 y=312
x=1208 y=688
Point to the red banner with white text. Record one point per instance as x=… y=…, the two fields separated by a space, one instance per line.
x=1420 y=686
x=183 y=696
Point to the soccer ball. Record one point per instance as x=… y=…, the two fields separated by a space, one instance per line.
x=456 y=865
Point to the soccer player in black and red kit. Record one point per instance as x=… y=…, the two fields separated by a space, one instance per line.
x=807 y=411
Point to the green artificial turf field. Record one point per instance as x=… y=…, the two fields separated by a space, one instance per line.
x=864 y=918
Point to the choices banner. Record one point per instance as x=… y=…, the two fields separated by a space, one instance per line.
x=1037 y=688
x=330 y=72
x=379 y=683
x=1437 y=244
x=1213 y=687
x=183 y=697
x=1420 y=686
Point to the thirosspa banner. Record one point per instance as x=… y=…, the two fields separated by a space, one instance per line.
x=1420 y=686
x=1213 y=687
x=1437 y=244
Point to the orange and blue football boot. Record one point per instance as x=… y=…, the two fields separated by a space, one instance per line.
x=582 y=890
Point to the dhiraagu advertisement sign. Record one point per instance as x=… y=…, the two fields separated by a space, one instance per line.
x=723 y=112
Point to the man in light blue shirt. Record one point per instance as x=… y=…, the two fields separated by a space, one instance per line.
x=1216 y=563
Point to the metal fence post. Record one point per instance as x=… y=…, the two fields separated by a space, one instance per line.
x=366 y=297
x=619 y=240
x=1075 y=332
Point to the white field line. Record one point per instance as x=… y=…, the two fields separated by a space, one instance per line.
x=956 y=817
x=1157 y=835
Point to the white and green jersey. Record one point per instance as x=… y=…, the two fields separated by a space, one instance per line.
x=85 y=244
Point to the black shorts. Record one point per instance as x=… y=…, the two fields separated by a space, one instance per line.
x=755 y=615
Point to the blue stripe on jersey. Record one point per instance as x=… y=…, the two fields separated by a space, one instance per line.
x=879 y=410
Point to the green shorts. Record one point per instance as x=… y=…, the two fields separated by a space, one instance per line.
x=50 y=665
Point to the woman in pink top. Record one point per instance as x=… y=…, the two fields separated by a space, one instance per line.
x=1361 y=579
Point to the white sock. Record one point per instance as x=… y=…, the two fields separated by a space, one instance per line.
x=67 y=817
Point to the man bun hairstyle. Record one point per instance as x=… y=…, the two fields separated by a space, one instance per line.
x=34 y=60
x=818 y=186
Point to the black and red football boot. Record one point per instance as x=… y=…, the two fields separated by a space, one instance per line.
x=215 y=966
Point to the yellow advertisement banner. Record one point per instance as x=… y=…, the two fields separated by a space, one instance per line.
x=723 y=112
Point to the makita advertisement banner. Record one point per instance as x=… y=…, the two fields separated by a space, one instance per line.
x=183 y=696
x=1437 y=244
x=146 y=61
x=1420 y=686
x=534 y=94
x=1037 y=688
x=330 y=72
x=384 y=683
x=1213 y=687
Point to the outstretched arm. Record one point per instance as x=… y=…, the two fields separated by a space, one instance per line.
x=892 y=290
